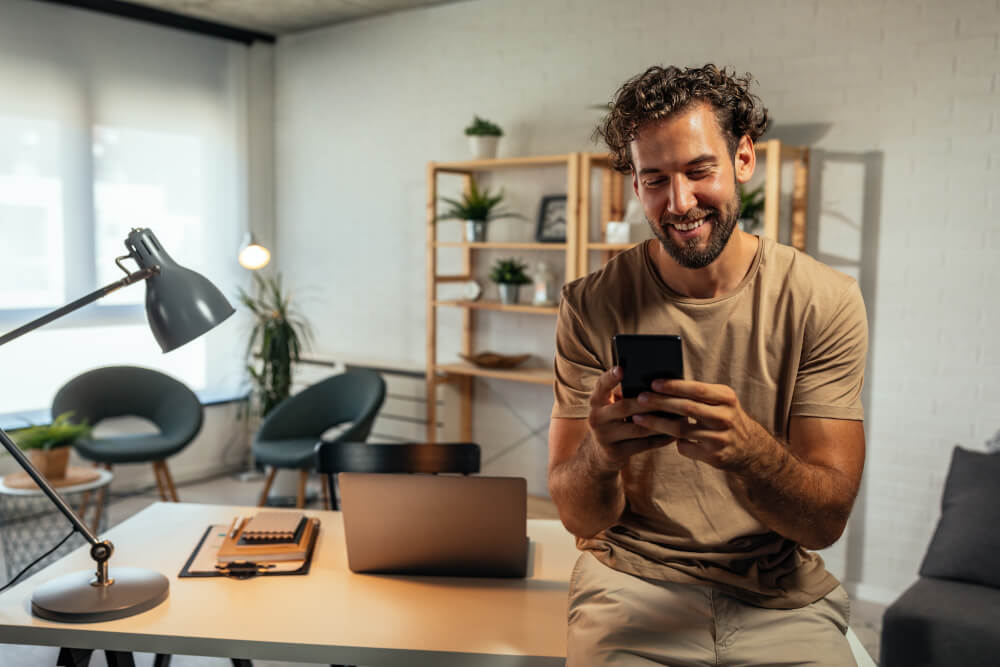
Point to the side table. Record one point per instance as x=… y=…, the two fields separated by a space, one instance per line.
x=30 y=524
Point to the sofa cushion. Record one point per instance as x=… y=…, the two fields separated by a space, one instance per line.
x=966 y=542
x=942 y=623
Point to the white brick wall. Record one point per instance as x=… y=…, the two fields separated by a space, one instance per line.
x=361 y=107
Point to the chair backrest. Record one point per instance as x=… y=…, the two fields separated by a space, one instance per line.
x=354 y=396
x=334 y=457
x=120 y=391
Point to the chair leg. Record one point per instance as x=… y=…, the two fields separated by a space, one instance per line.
x=169 y=481
x=159 y=481
x=331 y=486
x=262 y=501
x=326 y=492
x=300 y=499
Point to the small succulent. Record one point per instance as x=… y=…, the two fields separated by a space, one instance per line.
x=509 y=271
x=62 y=432
x=481 y=127
x=475 y=204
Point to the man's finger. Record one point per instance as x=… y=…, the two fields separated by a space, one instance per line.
x=606 y=382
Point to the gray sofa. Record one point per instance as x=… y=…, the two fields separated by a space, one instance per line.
x=951 y=615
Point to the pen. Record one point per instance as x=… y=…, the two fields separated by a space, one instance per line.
x=237 y=526
x=232 y=527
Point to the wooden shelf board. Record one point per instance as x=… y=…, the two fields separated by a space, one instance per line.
x=496 y=305
x=501 y=245
x=461 y=166
x=532 y=375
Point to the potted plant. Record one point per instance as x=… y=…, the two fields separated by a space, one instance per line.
x=751 y=207
x=483 y=137
x=276 y=341
x=477 y=207
x=509 y=273
x=48 y=445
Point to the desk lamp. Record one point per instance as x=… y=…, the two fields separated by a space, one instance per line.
x=180 y=306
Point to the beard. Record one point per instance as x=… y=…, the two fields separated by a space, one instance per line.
x=688 y=254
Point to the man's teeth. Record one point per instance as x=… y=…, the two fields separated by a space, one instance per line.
x=686 y=227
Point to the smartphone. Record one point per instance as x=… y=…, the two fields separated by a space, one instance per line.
x=647 y=357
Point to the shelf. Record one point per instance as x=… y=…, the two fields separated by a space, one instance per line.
x=533 y=375
x=496 y=305
x=486 y=245
x=463 y=166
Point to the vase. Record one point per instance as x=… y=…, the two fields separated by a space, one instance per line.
x=508 y=293
x=475 y=231
x=484 y=147
x=51 y=463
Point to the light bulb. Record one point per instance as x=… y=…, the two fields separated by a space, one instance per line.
x=254 y=256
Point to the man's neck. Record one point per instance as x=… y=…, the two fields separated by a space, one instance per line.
x=718 y=278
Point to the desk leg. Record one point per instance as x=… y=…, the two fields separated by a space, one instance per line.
x=120 y=658
x=73 y=657
x=161 y=660
x=242 y=662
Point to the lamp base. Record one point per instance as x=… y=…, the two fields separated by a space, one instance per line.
x=71 y=598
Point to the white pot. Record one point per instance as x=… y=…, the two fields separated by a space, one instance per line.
x=483 y=147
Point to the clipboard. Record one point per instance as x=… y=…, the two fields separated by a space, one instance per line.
x=203 y=563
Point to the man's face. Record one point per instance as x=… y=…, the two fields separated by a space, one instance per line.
x=685 y=181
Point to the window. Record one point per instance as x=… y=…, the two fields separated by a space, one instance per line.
x=108 y=124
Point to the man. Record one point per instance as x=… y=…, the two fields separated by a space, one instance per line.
x=695 y=530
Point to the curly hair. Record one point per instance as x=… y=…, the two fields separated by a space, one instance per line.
x=660 y=92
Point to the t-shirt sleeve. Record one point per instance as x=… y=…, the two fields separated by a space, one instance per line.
x=831 y=373
x=577 y=365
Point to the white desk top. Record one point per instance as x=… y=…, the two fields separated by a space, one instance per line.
x=328 y=616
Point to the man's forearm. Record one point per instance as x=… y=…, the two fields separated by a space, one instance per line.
x=803 y=502
x=588 y=497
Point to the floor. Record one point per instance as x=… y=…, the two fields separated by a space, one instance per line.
x=866 y=618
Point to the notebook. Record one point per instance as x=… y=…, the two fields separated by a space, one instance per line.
x=435 y=524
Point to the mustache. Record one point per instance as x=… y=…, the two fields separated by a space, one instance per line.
x=690 y=216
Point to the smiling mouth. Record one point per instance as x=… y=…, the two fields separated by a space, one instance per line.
x=688 y=226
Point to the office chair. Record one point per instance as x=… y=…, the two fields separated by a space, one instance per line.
x=334 y=457
x=288 y=435
x=121 y=391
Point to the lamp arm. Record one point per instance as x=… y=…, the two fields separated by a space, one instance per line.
x=46 y=488
x=99 y=551
x=141 y=274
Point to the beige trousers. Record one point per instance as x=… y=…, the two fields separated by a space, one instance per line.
x=618 y=619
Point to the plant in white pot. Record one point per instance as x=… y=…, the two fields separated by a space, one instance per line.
x=483 y=138
x=509 y=273
x=48 y=445
x=477 y=207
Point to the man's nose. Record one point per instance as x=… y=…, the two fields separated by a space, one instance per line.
x=682 y=197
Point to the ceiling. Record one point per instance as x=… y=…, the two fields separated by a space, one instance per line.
x=281 y=17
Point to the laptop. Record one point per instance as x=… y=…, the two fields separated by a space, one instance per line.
x=435 y=524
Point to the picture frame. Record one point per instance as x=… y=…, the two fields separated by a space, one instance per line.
x=551 y=227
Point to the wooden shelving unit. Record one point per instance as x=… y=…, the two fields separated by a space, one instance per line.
x=577 y=248
x=462 y=373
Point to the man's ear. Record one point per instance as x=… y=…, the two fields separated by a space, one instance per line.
x=635 y=183
x=745 y=159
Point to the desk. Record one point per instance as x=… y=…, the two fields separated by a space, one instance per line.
x=328 y=616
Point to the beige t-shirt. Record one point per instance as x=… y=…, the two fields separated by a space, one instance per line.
x=791 y=339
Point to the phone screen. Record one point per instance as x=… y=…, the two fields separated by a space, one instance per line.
x=648 y=357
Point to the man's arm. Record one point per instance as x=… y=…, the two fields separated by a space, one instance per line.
x=803 y=492
x=586 y=457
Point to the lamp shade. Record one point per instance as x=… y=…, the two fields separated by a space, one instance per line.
x=180 y=304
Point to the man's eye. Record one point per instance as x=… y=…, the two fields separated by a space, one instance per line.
x=701 y=173
x=655 y=182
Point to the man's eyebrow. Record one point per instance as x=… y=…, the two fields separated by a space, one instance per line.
x=706 y=158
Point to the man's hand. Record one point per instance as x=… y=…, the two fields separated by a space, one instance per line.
x=615 y=439
x=803 y=489
x=713 y=427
